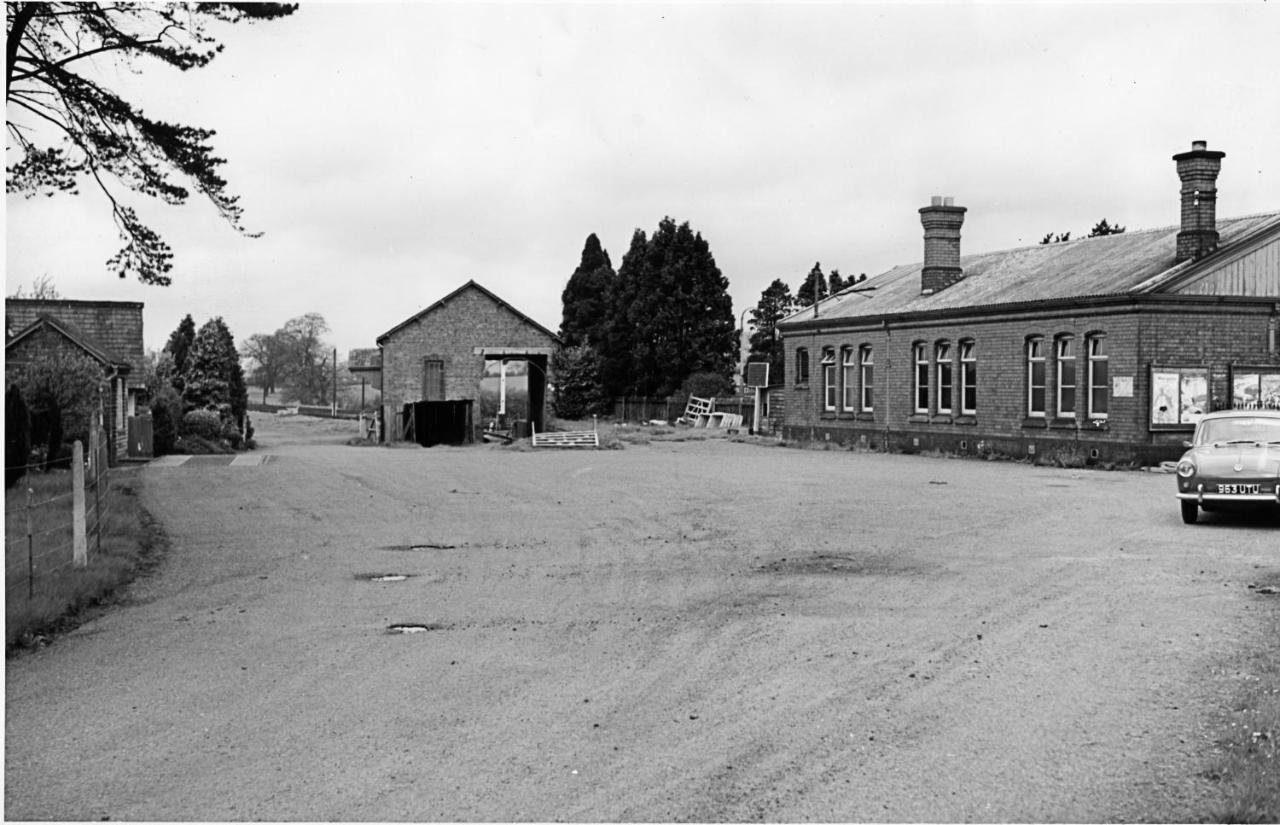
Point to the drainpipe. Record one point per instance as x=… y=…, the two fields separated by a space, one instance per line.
x=1273 y=323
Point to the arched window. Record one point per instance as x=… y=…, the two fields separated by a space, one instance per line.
x=942 y=363
x=968 y=378
x=1065 y=357
x=849 y=377
x=802 y=366
x=921 y=353
x=1036 y=377
x=868 y=377
x=829 y=378
x=1099 y=376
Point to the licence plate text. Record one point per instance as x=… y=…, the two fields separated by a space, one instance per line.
x=1239 y=489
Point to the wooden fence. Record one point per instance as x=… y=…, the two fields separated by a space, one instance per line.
x=54 y=520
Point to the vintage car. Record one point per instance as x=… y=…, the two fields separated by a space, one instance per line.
x=1234 y=458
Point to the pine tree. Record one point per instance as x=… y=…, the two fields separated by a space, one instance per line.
x=1103 y=228
x=586 y=297
x=212 y=367
x=672 y=315
x=813 y=289
x=179 y=347
x=776 y=302
x=577 y=378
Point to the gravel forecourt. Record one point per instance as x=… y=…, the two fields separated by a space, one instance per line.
x=698 y=630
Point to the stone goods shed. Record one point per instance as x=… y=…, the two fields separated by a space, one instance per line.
x=110 y=333
x=1100 y=349
x=439 y=354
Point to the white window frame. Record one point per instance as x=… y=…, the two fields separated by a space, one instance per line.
x=921 y=353
x=1064 y=350
x=829 y=379
x=849 y=385
x=867 y=366
x=1036 y=357
x=1095 y=345
x=945 y=382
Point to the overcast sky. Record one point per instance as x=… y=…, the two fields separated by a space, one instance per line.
x=390 y=152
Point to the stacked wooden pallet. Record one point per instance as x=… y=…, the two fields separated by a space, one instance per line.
x=580 y=438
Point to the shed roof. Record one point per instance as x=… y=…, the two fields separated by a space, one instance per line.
x=446 y=299
x=1136 y=262
x=75 y=336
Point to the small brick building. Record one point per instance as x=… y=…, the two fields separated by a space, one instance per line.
x=109 y=332
x=439 y=354
x=1105 y=349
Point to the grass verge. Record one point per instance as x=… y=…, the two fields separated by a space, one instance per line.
x=132 y=544
x=1246 y=765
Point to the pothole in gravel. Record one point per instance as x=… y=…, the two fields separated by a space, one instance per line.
x=384 y=577
x=1265 y=589
x=408 y=628
x=419 y=548
x=841 y=564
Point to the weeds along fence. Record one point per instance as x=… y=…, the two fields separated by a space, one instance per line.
x=642 y=410
x=55 y=520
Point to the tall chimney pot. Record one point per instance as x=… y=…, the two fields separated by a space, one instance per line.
x=1198 y=171
x=942 y=221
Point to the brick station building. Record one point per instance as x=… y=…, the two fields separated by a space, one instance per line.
x=1103 y=349
x=440 y=353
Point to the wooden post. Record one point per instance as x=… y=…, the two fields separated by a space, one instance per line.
x=79 y=545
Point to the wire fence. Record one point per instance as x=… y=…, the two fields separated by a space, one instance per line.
x=54 y=520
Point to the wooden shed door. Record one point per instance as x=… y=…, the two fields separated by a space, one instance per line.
x=432 y=380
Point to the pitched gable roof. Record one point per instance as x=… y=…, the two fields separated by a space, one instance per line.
x=75 y=336
x=446 y=299
x=1132 y=262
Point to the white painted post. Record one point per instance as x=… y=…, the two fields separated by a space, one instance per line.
x=755 y=416
x=79 y=542
x=502 y=387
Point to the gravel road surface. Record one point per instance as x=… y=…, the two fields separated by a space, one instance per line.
x=697 y=630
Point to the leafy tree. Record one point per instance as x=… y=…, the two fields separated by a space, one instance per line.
x=577 y=379
x=61 y=389
x=1099 y=228
x=776 y=302
x=307 y=357
x=835 y=282
x=813 y=289
x=586 y=297
x=65 y=125
x=270 y=355
x=42 y=289
x=671 y=316
x=1104 y=228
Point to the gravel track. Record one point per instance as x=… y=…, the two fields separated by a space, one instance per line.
x=695 y=631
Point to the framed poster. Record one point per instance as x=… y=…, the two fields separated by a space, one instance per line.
x=1179 y=397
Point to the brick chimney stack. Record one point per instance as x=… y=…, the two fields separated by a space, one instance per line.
x=942 y=220
x=1198 y=171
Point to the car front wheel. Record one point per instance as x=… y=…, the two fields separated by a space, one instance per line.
x=1189 y=512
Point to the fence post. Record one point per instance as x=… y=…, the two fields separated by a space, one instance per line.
x=95 y=468
x=31 y=554
x=79 y=546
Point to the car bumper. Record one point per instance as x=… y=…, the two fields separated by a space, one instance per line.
x=1200 y=496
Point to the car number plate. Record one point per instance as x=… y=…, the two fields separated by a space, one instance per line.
x=1239 y=489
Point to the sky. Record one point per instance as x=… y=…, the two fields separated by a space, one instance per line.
x=389 y=153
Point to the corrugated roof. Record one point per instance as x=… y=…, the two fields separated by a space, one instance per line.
x=1131 y=262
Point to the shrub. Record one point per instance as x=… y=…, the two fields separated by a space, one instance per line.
x=17 y=436
x=166 y=413
x=205 y=424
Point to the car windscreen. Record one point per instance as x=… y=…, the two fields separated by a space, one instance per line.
x=1239 y=430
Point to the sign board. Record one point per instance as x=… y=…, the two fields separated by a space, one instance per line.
x=1122 y=386
x=758 y=374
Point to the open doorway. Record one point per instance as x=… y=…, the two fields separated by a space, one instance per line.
x=513 y=391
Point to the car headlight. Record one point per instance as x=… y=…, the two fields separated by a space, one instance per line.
x=1186 y=468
